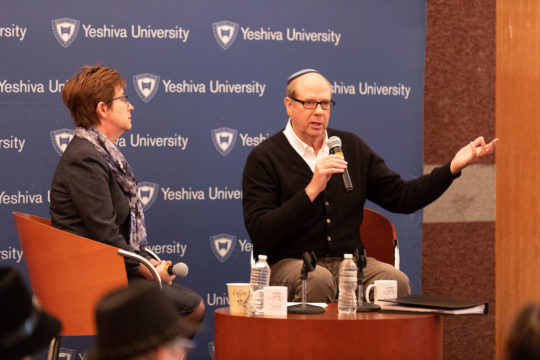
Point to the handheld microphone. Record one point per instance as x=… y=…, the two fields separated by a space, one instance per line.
x=334 y=143
x=181 y=270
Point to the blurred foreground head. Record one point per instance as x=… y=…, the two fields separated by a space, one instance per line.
x=524 y=339
x=25 y=328
x=139 y=322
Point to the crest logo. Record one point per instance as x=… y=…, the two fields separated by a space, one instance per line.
x=146 y=86
x=224 y=140
x=66 y=354
x=211 y=349
x=147 y=193
x=222 y=245
x=65 y=30
x=60 y=139
x=225 y=33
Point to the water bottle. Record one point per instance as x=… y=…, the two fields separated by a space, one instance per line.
x=260 y=277
x=347 y=285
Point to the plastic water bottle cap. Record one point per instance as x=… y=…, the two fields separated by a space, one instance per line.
x=262 y=257
x=347 y=256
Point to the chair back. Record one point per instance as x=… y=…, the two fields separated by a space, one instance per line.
x=68 y=273
x=379 y=236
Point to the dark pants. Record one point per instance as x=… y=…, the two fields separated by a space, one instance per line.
x=184 y=299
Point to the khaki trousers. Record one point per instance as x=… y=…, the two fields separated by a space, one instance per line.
x=322 y=283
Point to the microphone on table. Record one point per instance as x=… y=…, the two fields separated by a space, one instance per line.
x=180 y=269
x=310 y=262
x=334 y=143
x=361 y=260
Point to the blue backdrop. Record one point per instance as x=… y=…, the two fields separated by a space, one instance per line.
x=207 y=80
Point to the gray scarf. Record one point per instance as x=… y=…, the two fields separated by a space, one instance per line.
x=125 y=178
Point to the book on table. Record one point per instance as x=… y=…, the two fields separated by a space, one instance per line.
x=434 y=304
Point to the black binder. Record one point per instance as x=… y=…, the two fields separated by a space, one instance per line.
x=434 y=304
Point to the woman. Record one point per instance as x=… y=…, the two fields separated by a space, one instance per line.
x=94 y=191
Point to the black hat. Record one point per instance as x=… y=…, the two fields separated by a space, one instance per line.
x=136 y=319
x=300 y=73
x=24 y=327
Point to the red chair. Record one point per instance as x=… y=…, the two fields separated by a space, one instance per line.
x=70 y=273
x=379 y=237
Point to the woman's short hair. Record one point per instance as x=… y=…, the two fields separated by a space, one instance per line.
x=89 y=86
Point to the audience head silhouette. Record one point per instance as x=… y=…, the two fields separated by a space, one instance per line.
x=25 y=328
x=524 y=339
x=139 y=320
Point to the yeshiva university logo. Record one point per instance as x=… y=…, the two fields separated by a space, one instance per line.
x=222 y=245
x=146 y=86
x=65 y=30
x=60 y=139
x=147 y=193
x=224 y=139
x=67 y=354
x=225 y=33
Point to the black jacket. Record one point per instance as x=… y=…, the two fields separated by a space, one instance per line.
x=86 y=199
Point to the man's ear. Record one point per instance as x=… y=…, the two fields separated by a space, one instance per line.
x=288 y=105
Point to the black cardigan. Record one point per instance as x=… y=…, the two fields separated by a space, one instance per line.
x=283 y=223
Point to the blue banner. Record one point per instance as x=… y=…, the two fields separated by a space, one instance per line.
x=207 y=81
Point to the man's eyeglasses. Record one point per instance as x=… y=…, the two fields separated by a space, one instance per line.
x=312 y=104
x=123 y=98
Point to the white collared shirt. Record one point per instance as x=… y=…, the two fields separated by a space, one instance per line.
x=304 y=150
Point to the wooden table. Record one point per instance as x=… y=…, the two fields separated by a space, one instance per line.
x=328 y=336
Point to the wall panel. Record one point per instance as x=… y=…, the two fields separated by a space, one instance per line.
x=518 y=161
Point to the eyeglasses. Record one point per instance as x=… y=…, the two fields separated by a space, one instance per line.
x=123 y=98
x=312 y=104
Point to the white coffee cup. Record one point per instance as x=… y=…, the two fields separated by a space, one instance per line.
x=275 y=301
x=384 y=289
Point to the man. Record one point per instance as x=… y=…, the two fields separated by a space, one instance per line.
x=25 y=328
x=140 y=323
x=293 y=204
